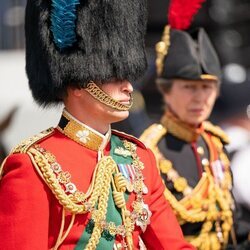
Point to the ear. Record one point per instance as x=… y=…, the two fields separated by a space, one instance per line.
x=73 y=91
x=77 y=92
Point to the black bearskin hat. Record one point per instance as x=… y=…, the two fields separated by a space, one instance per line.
x=73 y=42
x=185 y=55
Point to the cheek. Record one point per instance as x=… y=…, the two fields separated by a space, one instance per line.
x=106 y=90
x=212 y=98
x=110 y=89
x=178 y=101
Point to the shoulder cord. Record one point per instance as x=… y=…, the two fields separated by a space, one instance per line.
x=151 y=138
x=60 y=237
x=101 y=183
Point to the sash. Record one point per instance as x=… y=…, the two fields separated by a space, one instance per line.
x=113 y=213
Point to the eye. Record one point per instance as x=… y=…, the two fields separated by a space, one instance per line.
x=189 y=86
x=208 y=86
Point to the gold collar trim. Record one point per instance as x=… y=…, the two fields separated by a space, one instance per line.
x=81 y=133
x=180 y=129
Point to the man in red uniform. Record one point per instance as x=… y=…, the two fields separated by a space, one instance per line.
x=81 y=185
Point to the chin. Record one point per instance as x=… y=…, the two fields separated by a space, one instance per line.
x=118 y=116
x=198 y=122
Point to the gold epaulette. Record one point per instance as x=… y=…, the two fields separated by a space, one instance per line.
x=26 y=144
x=151 y=136
x=216 y=131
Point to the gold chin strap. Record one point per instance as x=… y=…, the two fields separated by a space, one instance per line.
x=104 y=98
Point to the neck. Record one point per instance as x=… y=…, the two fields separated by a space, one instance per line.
x=89 y=118
x=180 y=129
x=171 y=113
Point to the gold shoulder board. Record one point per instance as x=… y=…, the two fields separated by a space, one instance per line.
x=151 y=136
x=26 y=144
x=216 y=131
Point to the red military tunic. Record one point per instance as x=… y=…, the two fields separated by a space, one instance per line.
x=31 y=215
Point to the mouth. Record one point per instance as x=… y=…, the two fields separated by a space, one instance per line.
x=197 y=110
x=125 y=102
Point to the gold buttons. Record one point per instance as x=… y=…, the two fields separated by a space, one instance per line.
x=200 y=150
x=205 y=162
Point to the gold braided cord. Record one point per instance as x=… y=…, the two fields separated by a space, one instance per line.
x=182 y=212
x=104 y=98
x=56 y=188
x=68 y=229
x=105 y=167
x=102 y=206
x=201 y=204
x=120 y=182
x=162 y=50
x=106 y=174
x=59 y=237
x=119 y=199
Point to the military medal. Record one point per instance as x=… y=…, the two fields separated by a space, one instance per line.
x=131 y=171
x=70 y=188
x=144 y=217
x=125 y=169
x=144 y=189
x=218 y=171
x=129 y=186
x=123 y=152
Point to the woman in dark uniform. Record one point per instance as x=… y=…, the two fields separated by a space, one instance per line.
x=189 y=150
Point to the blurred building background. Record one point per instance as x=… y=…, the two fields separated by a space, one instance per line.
x=226 y=21
x=20 y=117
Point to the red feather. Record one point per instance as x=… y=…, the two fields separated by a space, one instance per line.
x=181 y=13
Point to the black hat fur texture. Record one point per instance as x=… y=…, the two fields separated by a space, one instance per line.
x=109 y=45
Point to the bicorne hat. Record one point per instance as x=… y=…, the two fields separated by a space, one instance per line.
x=185 y=55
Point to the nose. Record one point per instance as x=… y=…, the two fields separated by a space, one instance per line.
x=127 y=87
x=199 y=95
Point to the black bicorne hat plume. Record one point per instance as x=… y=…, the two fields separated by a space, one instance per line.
x=182 y=54
x=72 y=42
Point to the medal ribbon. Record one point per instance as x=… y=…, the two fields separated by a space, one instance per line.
x=113 y=213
